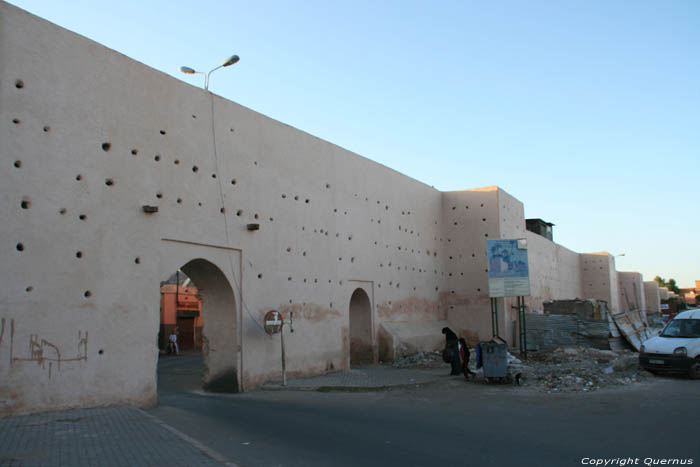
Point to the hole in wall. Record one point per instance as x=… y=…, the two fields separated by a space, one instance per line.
x=239 y=212
x=62 y=211
x=134 y=152
x=233 y=181
x=16 y=121
x=222 y=210
x=296 y=198
x=19 y=84
x=47 y=129
x=25 y=204
x=328 y=185
x=159 y=195
x=194 y=116
x=157 y=158
x=176 y=162
x=101 y=351
x=106 y=146
x=232 y=130
x=179 y=201
x=29 y=289
x=20 y=247
x=18 y=164
x=78 y=177
x=109 y=182
x=82 y=217
x=137 y=260
x=195 y=168
x=87 y=294
x=162 y=132
x=213 y=175
x=78 y=254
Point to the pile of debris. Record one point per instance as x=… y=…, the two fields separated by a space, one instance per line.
x=420 y=360
x=565 y=369
x=573 y=369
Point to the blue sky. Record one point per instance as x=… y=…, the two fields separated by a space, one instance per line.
x=586 y=111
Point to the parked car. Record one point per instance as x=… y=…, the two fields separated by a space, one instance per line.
x=677 y=348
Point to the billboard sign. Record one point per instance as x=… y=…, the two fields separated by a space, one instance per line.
x=508 y=268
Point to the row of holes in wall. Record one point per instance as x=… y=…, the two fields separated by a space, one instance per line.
x=110 y=182
x=106 y=146
x=25 y=204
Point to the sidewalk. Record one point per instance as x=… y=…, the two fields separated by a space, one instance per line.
x=127 y=436
x=371 y=377
x=112 y=436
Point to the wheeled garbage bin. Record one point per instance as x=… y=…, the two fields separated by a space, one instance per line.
x=494 y=360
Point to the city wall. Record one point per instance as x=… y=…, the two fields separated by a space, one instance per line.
x=115 y=175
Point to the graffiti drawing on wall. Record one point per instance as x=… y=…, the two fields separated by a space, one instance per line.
x=42 y=351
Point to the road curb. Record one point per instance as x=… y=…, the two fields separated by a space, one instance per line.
x=189 y=440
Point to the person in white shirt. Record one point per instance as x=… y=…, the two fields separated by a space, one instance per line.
x=173 y=342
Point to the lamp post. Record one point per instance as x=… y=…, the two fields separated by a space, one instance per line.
x=191 y=71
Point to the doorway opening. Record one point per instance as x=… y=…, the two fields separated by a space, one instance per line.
x=198 y=306
x=180 y=314
x=361 y=347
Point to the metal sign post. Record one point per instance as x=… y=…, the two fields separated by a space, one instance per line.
x=494 y=317
x=274 y=323
x=509 y=276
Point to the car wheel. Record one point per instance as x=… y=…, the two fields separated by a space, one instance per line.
x=694 y=372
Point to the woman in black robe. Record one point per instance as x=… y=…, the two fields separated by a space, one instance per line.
x=452 y=351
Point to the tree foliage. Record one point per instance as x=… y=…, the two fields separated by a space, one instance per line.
x=669 y=284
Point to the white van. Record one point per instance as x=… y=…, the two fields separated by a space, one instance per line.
x=677 y=348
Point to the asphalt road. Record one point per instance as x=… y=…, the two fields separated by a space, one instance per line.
x=452 y=423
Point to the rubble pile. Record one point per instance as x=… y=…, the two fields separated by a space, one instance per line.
x=565 y=369
x=572 y=369
x=420 y=360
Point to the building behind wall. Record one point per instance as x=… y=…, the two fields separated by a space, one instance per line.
x=109 y=186
x=180 y=310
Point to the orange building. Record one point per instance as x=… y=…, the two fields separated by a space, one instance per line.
x=181 y=307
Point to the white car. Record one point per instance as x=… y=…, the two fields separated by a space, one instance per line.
x=677 y=348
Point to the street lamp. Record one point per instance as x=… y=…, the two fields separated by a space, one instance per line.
x=191 y=71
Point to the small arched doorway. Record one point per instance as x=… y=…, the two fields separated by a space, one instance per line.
x=361 y=348
x=219 y=333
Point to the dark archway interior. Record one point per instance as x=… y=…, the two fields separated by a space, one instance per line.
x=361 y=348
x=219 y=333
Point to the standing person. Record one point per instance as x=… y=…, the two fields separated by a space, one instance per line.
x=464 y=353
x=173 y=341
x=451 y=353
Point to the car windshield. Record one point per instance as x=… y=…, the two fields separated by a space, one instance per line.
x=682 y=328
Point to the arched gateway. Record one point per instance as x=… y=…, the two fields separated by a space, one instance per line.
x=219 y=326
x=361 y=344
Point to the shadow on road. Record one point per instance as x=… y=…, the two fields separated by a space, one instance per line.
x=180 y=373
